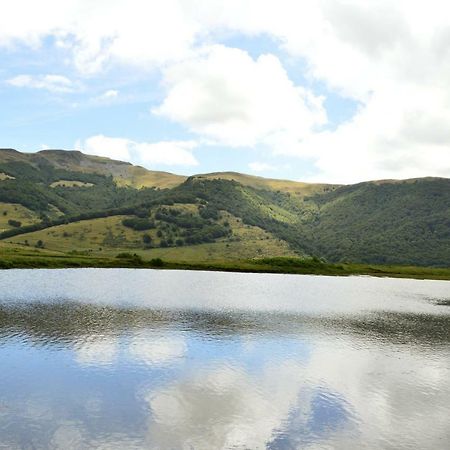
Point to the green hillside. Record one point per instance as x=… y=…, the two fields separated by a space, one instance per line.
x=123 y=173
x=79 y=204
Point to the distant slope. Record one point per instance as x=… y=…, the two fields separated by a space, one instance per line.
x=124 y=173
x=396 y=222
x=294 y=187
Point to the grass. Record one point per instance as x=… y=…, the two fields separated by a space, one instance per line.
x=3 y=177
x=70 y=183
x=14 y=256
x=139 y=177
x=16 y=212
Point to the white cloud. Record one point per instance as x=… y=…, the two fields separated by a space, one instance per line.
x=137 y=32
x=257 y=166
x=53 y=83
x=402 y=132
x=224 y=94
x=106 y=98
x=110 y=94
x=171 y=153
x=115 y=148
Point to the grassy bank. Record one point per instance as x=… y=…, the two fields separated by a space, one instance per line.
x=16 y=257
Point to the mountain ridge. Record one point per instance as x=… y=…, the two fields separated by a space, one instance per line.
x=227 y=175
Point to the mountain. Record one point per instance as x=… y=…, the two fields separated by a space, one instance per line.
x=123 y=173
x=67 y=201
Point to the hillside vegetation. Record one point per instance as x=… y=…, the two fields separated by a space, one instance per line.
x=87 y=205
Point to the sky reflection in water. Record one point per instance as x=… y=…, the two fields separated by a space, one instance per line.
x=211 y=361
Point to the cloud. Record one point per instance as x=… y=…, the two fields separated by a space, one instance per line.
x=115 y=148
x=260 y=166
x=401 y=132
x=137 y=32
x=110 y=94
x=225 y=95
x=171 y=153
x=53 y=83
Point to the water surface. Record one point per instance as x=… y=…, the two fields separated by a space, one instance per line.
x=124 y=359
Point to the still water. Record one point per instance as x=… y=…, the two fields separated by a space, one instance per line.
x=132 y=359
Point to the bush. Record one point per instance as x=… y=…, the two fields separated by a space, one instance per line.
x=124 y=255
x=138 y=223
x=14 y=223
x=156 y=262
x=131 y=257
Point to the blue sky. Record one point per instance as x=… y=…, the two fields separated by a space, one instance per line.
x=317 y=91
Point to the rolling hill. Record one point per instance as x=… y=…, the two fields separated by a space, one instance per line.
x=69 y=202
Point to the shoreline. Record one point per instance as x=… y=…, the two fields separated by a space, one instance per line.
x=267 y=265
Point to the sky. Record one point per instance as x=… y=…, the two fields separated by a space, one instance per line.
x=310 y=90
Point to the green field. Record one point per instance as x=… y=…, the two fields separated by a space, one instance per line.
x=16 y=212
x=19 y=256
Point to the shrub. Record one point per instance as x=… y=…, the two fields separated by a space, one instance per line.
x=138 y=223
x=131 y=257
x=156 y=262
x=14 y=223
x=146 y=239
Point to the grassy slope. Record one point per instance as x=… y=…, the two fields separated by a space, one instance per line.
x=123 y=173
x=15 y=212
x=139 y=177
x=108 y=237
x=293 y=187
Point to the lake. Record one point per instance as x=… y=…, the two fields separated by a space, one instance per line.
x=132 y=359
